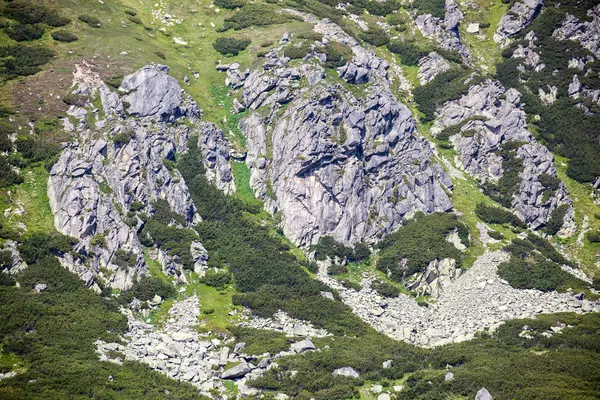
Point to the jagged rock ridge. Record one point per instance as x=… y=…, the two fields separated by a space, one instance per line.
x=124 y=160
x=491 y=116
x=338 y=165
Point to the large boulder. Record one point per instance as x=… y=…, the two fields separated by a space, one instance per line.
x=152 y=93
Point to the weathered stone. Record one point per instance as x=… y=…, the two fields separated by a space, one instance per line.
x=237 y=371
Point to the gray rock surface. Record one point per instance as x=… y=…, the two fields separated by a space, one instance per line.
x=213 y=147
x=338 y=165
x=483 y=394
x=587 y=33
x=430 y=66
x=494 y=116
x=444 y=31
x=153 y=94
x=177 y=350
x=237 y=371
x=96 y=179
x=517 y=18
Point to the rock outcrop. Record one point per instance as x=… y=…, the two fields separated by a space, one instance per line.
x=123 y=161
x=517 y=18
x=430 y=66
x=587 y=33
x=153 y=94
x=177 y=350
x=338 y=165
x=444 y=31
x=490 y=116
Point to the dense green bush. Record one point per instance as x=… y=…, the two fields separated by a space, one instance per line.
x=255 y=15
x=534 y=264
x=409 y=53
x=23 y=33
x=9 y=176
x=32 y=12
x=437 y=8
x=382 y=8
x=123 y=138
x=229 y=4
x=496 y=235
x=19 y=60
x=543 y=275
x=375 y=36
x=38 y=246
x=385 y=289
x=556 y=220
x=230 y=45
x=444 y=87
x=124 y=259
x=337 y=54
x=260 y=341
x=91 y=21
x=593 y=237
x=328 y=247
x=146 y=287
x=217 y=279
x=296 y=52
x=504 y=190
x=135 y=19
x=337 y=269
x=420 y=241
x=62 y=35
x=497 y=215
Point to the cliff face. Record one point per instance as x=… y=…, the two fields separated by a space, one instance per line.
x=122 y=164
x=334 y=163
x=489 y=117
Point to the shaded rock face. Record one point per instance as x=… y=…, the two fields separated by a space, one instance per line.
x=94 y=183
x=517 y=18
x=490 y=117
x=97 y=178
x=444 y=31
x=587 y=33
x=215 y=154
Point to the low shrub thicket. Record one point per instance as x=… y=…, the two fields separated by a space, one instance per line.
x=420 y=241
x=385 y=289
x=24 y=33
x=255 y=15
x=497 y=215
x=32 y=12
x=232 y=46
x=91 y=21
x=503 y=191
x=229 y=4
x=328 y=247
x=62 y=35
x=337 y=54
x=444 y=87
x=217 y=279
x=20 y=60
x=534 y=264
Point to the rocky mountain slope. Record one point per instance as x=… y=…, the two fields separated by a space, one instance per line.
x=241 y=199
